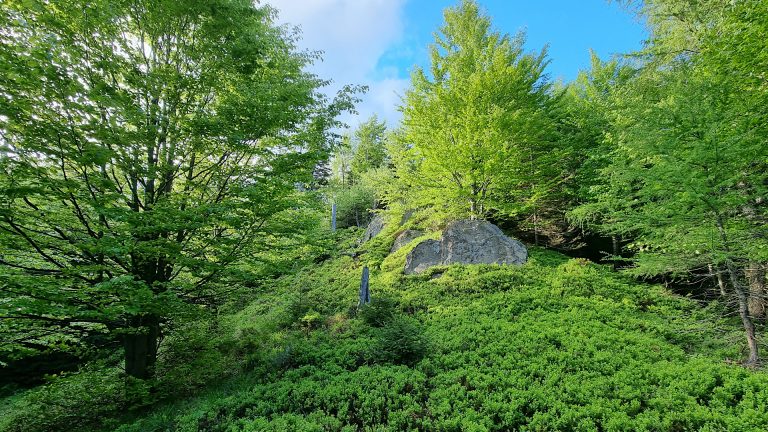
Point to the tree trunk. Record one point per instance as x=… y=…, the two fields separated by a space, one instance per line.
x=755 y=274
x=720 y=280
x=749 y=327
x=743 y=298
x=141 y=345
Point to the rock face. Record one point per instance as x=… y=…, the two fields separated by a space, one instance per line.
x=425 y=255
x=480 y=242
x=467 y=242
x=404 y=238
x=373 y=228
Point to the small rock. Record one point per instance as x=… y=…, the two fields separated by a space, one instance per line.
x=374 y=228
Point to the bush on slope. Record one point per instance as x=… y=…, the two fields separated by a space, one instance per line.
x=556 y=344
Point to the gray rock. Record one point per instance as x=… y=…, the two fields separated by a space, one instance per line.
x=480 y=242
x=425 y=255
x=407 y=216
x=467 y=242
x=374 y=228
x=404 y=238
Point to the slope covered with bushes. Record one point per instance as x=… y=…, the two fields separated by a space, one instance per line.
x=555 y=344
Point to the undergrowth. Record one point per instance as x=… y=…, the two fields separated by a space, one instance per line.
x=555 y=344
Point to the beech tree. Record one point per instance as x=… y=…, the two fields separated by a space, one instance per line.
x=144 y=146
x=476 y=126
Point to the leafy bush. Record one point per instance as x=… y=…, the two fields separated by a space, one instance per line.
x=379 y=312
x=85 y=400
x=400 y=341
x=555 y=344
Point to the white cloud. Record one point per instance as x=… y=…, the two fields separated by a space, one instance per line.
x=382 y=99
x=353 y=35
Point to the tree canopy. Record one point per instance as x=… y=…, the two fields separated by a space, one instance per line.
x=476 y=126
x=145 y=146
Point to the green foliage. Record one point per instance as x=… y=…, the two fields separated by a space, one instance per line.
x=147 y=147
x=685 y=175
x=85 y=400
x=379 y=312
x=476 y=127
x=370 y=151
x=148 y=172
x=557 y=344
x=354 y=205
x=400 y=341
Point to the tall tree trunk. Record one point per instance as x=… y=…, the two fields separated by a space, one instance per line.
x=141 y=345
x=755 y=274
x=742 y=295
x=749 y=327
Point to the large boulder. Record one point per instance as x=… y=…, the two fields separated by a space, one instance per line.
x=480 y=242
x=467 y=242
x=374 y=228
x=425 y=255
x=404 y=238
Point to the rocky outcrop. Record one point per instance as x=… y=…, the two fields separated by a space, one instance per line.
x=425 y=255
x=404 y=238
x=374 y=228
x=480 y=242
x=467 y=242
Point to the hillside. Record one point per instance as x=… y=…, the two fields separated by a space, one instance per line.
x=556 y=344
x=184 y=186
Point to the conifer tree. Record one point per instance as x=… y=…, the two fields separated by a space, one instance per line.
x=687 y=173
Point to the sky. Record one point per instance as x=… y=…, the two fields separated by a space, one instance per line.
x=379 y=42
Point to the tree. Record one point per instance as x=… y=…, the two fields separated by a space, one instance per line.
x=370 y=151
x=145 y=145
x=341 y=163
x=587 y=112
x=476 y=127
x=686 y=177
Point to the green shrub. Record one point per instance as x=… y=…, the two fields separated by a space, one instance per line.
x=85 y=400
x=400 y=341
x=555 y=344
x=379 y=312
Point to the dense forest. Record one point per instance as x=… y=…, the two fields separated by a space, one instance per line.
x=182 y=219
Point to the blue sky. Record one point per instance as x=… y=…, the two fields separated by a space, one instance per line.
x=378 y=42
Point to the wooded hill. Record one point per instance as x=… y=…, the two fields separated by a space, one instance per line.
x=167 y=171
